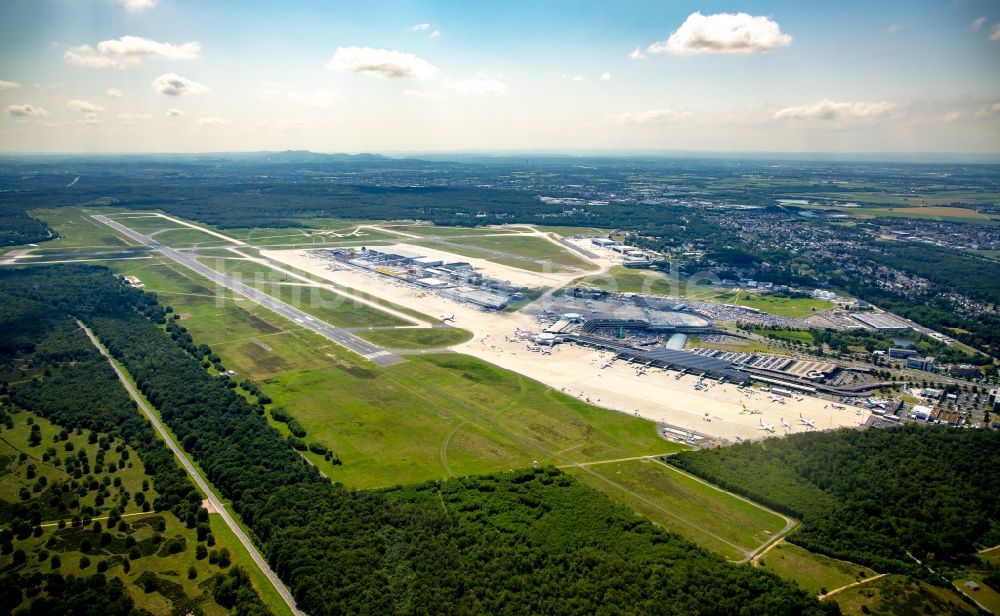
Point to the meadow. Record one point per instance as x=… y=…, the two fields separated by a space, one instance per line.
x=725 y=524
x=526 y=246
x=416 y=338
x=814 y=572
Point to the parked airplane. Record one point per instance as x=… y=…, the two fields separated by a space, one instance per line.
x=765 y=426
x=447 y=317
x=785 y=424
x=807 y=422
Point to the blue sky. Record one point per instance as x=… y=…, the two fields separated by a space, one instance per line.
x=174 y=75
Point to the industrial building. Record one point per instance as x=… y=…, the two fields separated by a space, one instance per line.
x=902 y=353
x=881 y=321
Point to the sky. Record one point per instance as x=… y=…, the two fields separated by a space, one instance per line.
x=909 y=76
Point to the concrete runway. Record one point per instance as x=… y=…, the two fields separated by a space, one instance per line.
x=343 y=338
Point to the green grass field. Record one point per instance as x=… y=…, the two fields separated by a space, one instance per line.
x=78 y=230
x=814 y=572
x=450 y=414
x=720 y=522
x=184 y=237
x=780 y=306
x=435 y=338
x=435 y=231
x=525 y=246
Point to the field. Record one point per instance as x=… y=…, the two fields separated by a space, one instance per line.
x=620 y=279
x=434 y=338
x=927 y=212
x=158 y=576
x=526 y=246
x=896 y=594
x=781 y=306
x=78 y=230
x=792 y=335
x=814 y=572
x=718 y=521
x=447 y=415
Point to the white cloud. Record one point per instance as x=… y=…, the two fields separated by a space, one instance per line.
x=951 y=116
x=137 y=5
x=995 y=32
x=129 y=51
x=832 y=110
x=480 y=84
x=723 y=33
x=172 y=84
x=83 y=106
x=174 y=113
x=8 y=85
x=26 y=110
x=655 y=116
x=381 y=63
x=114 y=93
x=605 y=76
x=977 y=24
x=88 y=57
x=574 y=78
x=893 y=28
x=420 y=27
x=637 y=55
x=435 y=34
x=212 y=121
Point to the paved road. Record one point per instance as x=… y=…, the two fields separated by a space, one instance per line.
x=345 y=339
x=198 y=479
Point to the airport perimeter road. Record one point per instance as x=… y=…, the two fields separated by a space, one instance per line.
x=198 y=479
x=345 y=339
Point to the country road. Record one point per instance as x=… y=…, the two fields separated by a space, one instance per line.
x=217 y=504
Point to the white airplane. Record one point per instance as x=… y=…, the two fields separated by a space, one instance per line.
x=765 y=426
x=785 y=424
x=447 y=317
x=807 y=422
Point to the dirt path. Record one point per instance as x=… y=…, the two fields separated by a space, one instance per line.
x=849 y=586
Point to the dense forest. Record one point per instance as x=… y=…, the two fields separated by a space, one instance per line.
x=877 y=497
x=75 y=388
x=531 y=541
